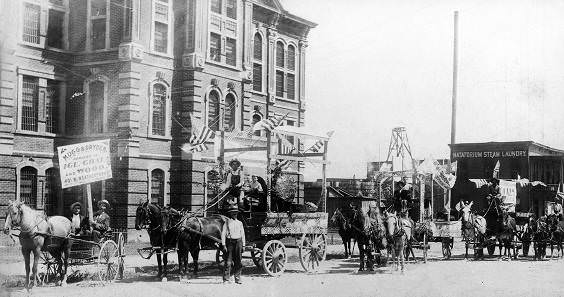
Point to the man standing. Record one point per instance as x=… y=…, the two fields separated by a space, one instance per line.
x=233 y=241
x=401 y=198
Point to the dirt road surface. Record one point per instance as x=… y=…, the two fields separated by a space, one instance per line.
x=337 y=277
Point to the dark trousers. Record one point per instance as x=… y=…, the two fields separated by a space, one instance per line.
x=233 y=260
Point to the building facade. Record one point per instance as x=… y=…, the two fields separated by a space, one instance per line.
x=138 y=72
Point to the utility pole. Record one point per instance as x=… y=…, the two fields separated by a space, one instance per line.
x=454 y=94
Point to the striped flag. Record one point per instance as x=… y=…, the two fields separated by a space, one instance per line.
x=204 y=135
x=496 y=170
x=270 y=123
x=287 y=147
x=194 y=149
x=479 y=182
x=316 y=147
x=282 y=164
x=560 y=193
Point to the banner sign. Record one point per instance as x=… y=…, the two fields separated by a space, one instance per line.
x=508 y=191
x=490 y=154
x=84 y=163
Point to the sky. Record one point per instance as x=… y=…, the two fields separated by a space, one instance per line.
x=372 y=65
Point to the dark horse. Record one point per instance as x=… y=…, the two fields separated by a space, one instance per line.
x=343 y=222
x=507 y=234
x=40 y=233
x=369 y=232
x=473 y=230
x=162 y=236
x=541 y=237
x=199 y=233
x=556 y=229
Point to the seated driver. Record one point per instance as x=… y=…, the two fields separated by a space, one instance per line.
x=101 y=222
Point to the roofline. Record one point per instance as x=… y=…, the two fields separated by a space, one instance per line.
x=526 y=142
x=286 y=14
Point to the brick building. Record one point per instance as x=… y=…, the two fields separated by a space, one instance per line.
x=138 y=72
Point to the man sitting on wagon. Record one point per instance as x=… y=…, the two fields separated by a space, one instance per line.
x=79 y=223
x=233 y=184
x=101 y=222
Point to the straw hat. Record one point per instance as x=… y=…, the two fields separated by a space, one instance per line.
x=234 y=162
x=104 y=201
x=76 y=204
x=233 y=208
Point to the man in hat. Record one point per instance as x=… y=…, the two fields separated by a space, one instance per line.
x=233 y=241
x=401 y=197
x=78 y=221
x=233 y=183
x=101 y=222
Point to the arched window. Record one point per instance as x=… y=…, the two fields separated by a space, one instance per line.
x=28 y=186
x=291 y=63
x=159 y=110
x=96 y=107
x=157 y=187
x=257 y=53
x=52 y=191
x=279 y=54
x=213 y=111
x=257 y=118
x=229 y=117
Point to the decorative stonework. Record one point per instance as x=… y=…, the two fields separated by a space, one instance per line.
x=214 y=82
x=271 y=99
x=231 y=85
x=130 y=51
x=193 y=61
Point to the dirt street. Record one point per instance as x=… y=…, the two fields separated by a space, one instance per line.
x=337 y=277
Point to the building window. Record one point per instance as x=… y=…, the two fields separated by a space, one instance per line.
x=215 y=47
x=30 y=103
x=96 y=107
x=290 y=86
x=52 y=106
x=55 y=28
x=98 y=19
x=213 y=111
x=279 y=54
x=229 y=117
x=257 y=77
x=28 y=186
x=257 y=118
x=279 y=83
x=291 y=63
x=159 y=109
x=52 y=191
x=161 y=18
x=231 y=8
x=230 y=51
x=257 y=49
x=31 y=23
x=216 y=6
x=157 y=187
x=291 y=139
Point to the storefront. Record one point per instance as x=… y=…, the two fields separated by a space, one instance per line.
x=518 y=161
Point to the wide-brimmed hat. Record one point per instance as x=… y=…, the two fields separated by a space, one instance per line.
x=233 y=208
x=104 y=201
x=75 y=205
x=234 y=162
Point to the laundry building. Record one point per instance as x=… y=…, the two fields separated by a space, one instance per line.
x=138 y=72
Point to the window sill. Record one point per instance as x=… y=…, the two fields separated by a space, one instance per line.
x=159 y=137
x=39 y=45
x=104 y=50
x=58 y=50
x=224 y=65
x=258 y=93
x=38 y=133
x=287 y=100
x=164 y=55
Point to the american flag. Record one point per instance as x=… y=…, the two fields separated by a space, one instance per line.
x=496 y=170
x=204 y=135
x=195 y=149
x=316 y=147
x=270 y=123
x=283 y=164
x=479 y=182
x=287 y=147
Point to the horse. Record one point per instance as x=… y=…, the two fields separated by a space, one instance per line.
x=345 y=230
x=556 y=229
x=399 y=233
x=473 y=227
x=40 y=233
x=528 y=233
x=507 y=234
x=197 y=233
x=361 y=226
x=162 y=238
x=541 y=238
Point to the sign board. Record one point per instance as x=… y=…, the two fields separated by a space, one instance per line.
x=508 y=191
x=84 y=163
x=490 y=154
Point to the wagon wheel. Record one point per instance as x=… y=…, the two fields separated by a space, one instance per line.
x=219 y=258
x=256 y=255
x=108 y=261
x=274 y=258
x=121 y=255
x=50 y=265
x=312 y=251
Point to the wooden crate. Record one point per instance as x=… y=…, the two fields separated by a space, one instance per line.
x=296 y=223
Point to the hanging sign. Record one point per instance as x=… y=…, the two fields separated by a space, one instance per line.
x=508 y=191
x=84 y=163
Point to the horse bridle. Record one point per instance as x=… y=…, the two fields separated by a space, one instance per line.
x=146 y=223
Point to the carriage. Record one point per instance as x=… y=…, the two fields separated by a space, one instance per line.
x=107 y=255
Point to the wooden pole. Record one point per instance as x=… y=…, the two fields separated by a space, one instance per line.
x=88 y=194
x=432 y=196
x=268 y=174
x=324 y=179
x=421 y=197
x=454 y=95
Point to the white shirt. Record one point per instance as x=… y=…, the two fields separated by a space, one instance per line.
x=75 y=221
x=233 y=229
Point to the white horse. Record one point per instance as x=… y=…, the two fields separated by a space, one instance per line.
x=40 y=233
